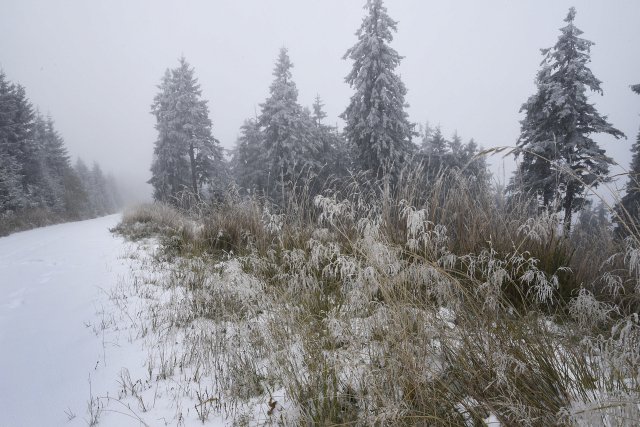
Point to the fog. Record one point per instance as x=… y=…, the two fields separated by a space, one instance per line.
x=469 y=65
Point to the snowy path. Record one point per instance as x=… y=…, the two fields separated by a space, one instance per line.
x=52 y=282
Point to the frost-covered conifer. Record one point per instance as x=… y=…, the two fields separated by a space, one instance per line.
x=12 y=195
x=335 y=156
x=55 y=164
x=288 y=145
x=247 y=161
x=318 y=111
x=376 y=121
x=455 y=144
x=18 y=152
x=102 y=192
x=88 y=208
x=559 y=158
x=628 y=210
x=186 y=156
x=437 y=145
x=474 y=166
x=433 y=150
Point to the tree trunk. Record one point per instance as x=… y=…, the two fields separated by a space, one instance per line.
x=282 y=185
x=546 y=200
x=568 y=208
x=194 y=180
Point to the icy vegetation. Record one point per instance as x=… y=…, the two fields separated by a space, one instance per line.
x=366 y=310
x=321 y=276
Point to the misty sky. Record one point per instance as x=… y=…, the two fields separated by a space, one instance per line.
x=469 y=65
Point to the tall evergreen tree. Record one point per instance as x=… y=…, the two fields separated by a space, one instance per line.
x=474 y=166
x=433 y=152
x=376 y=121
x=18 y=150
x=436 y=144
x=186 y=156
x=425 y=132
x=628 y=209
x=559 y=158
x=55 y=166
x=76 y=199
x=248 y=158
x=100 y=193
x=318 y=111
x=334 y=152
x=455 y=144
x=288 y=146
x=12 y=195
x=88 y=208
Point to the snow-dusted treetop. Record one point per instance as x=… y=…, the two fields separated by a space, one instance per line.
x=559 y=157
x=376 y=121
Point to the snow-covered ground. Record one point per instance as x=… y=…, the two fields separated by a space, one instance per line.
x=54 y=284
x=51 y=283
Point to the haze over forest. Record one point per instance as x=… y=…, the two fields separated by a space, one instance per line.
x=339 y=233
x=469 y=66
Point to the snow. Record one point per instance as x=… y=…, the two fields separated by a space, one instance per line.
x=74 y=300
x=50 y=282
x=58 y=331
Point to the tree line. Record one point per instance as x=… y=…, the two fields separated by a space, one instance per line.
x=38 y=183
x=288 y=146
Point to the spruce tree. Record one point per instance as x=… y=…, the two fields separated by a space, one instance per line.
x=99 y=195
x=318 y=111
x=88 y=208
x=627 y=210
x=248 y=158
x=437 y=144
x=19 y=168
x=322 y=133
x=474 y=166
x=433 y=152
x=559 y=157
x=334 y=153
x=288 y=147
x=455 y=143
x=425 y=133
x=75 y=199
x=186 y=156
x=10 y=189
x=55 y=165
x=376 y=122
x=12 y=196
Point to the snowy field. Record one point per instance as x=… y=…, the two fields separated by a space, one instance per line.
x=60 y=345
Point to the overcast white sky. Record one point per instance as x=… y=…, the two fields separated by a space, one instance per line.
x=469 y=65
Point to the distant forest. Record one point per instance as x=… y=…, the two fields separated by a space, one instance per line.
x=288 y=148
x=38 y=183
